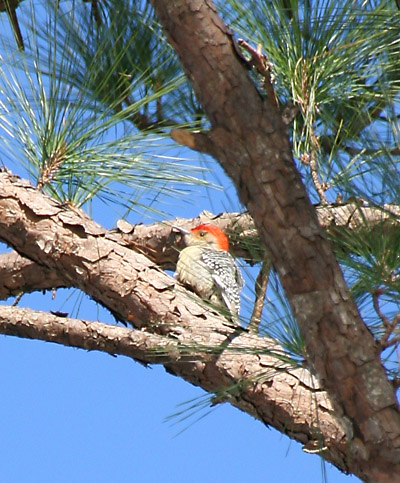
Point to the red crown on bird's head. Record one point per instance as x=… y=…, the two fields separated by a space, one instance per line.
x=222 y=239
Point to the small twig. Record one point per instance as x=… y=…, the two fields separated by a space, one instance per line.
x=94 y=11
x=12 y=15
x=10 y=6
x=309 y=108
x=396 y=383
x=311 y=161
x=392 y=341
x=390 y=326
x=144 y=123
x=51 y=165
x=199 y=141
x=375 y=302
x=260 y=62
x=17 y=299
x=159 y=105
x=260 y=289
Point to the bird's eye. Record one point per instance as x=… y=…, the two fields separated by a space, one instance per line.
x=202 y=233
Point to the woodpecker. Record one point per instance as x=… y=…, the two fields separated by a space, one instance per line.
x=208 y=269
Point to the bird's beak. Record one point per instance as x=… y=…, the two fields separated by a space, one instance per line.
x=182 y=230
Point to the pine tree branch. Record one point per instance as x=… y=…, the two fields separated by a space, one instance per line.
x=69 y=243
x=131 y=286
x=18 y=275
x=245 y=372
x=112 y=339
x=161 y=244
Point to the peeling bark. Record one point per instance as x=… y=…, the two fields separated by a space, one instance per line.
x=249 y=139
x=18 y=275
x=192 y=341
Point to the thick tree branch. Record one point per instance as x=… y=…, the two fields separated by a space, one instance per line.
x=162 y=244
x=244 y=372
x=83 y=334
x=251 y=143
x=20 y=275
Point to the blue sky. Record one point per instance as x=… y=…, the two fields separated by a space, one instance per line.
x=69 y=415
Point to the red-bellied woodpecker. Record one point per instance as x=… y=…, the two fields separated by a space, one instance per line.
x=206 y=267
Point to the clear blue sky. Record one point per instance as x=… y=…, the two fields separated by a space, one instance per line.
x=69 y=415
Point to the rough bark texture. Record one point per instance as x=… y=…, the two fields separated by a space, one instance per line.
x=250 y=141
x=192 y=341
x=18 y=275
x=161 y=244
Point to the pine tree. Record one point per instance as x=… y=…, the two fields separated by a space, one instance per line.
x=297 y=101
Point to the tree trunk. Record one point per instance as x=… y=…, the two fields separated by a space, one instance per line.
x=249 y=139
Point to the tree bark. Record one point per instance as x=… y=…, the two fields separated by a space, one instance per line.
x=249 y=139
x=161 y=244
